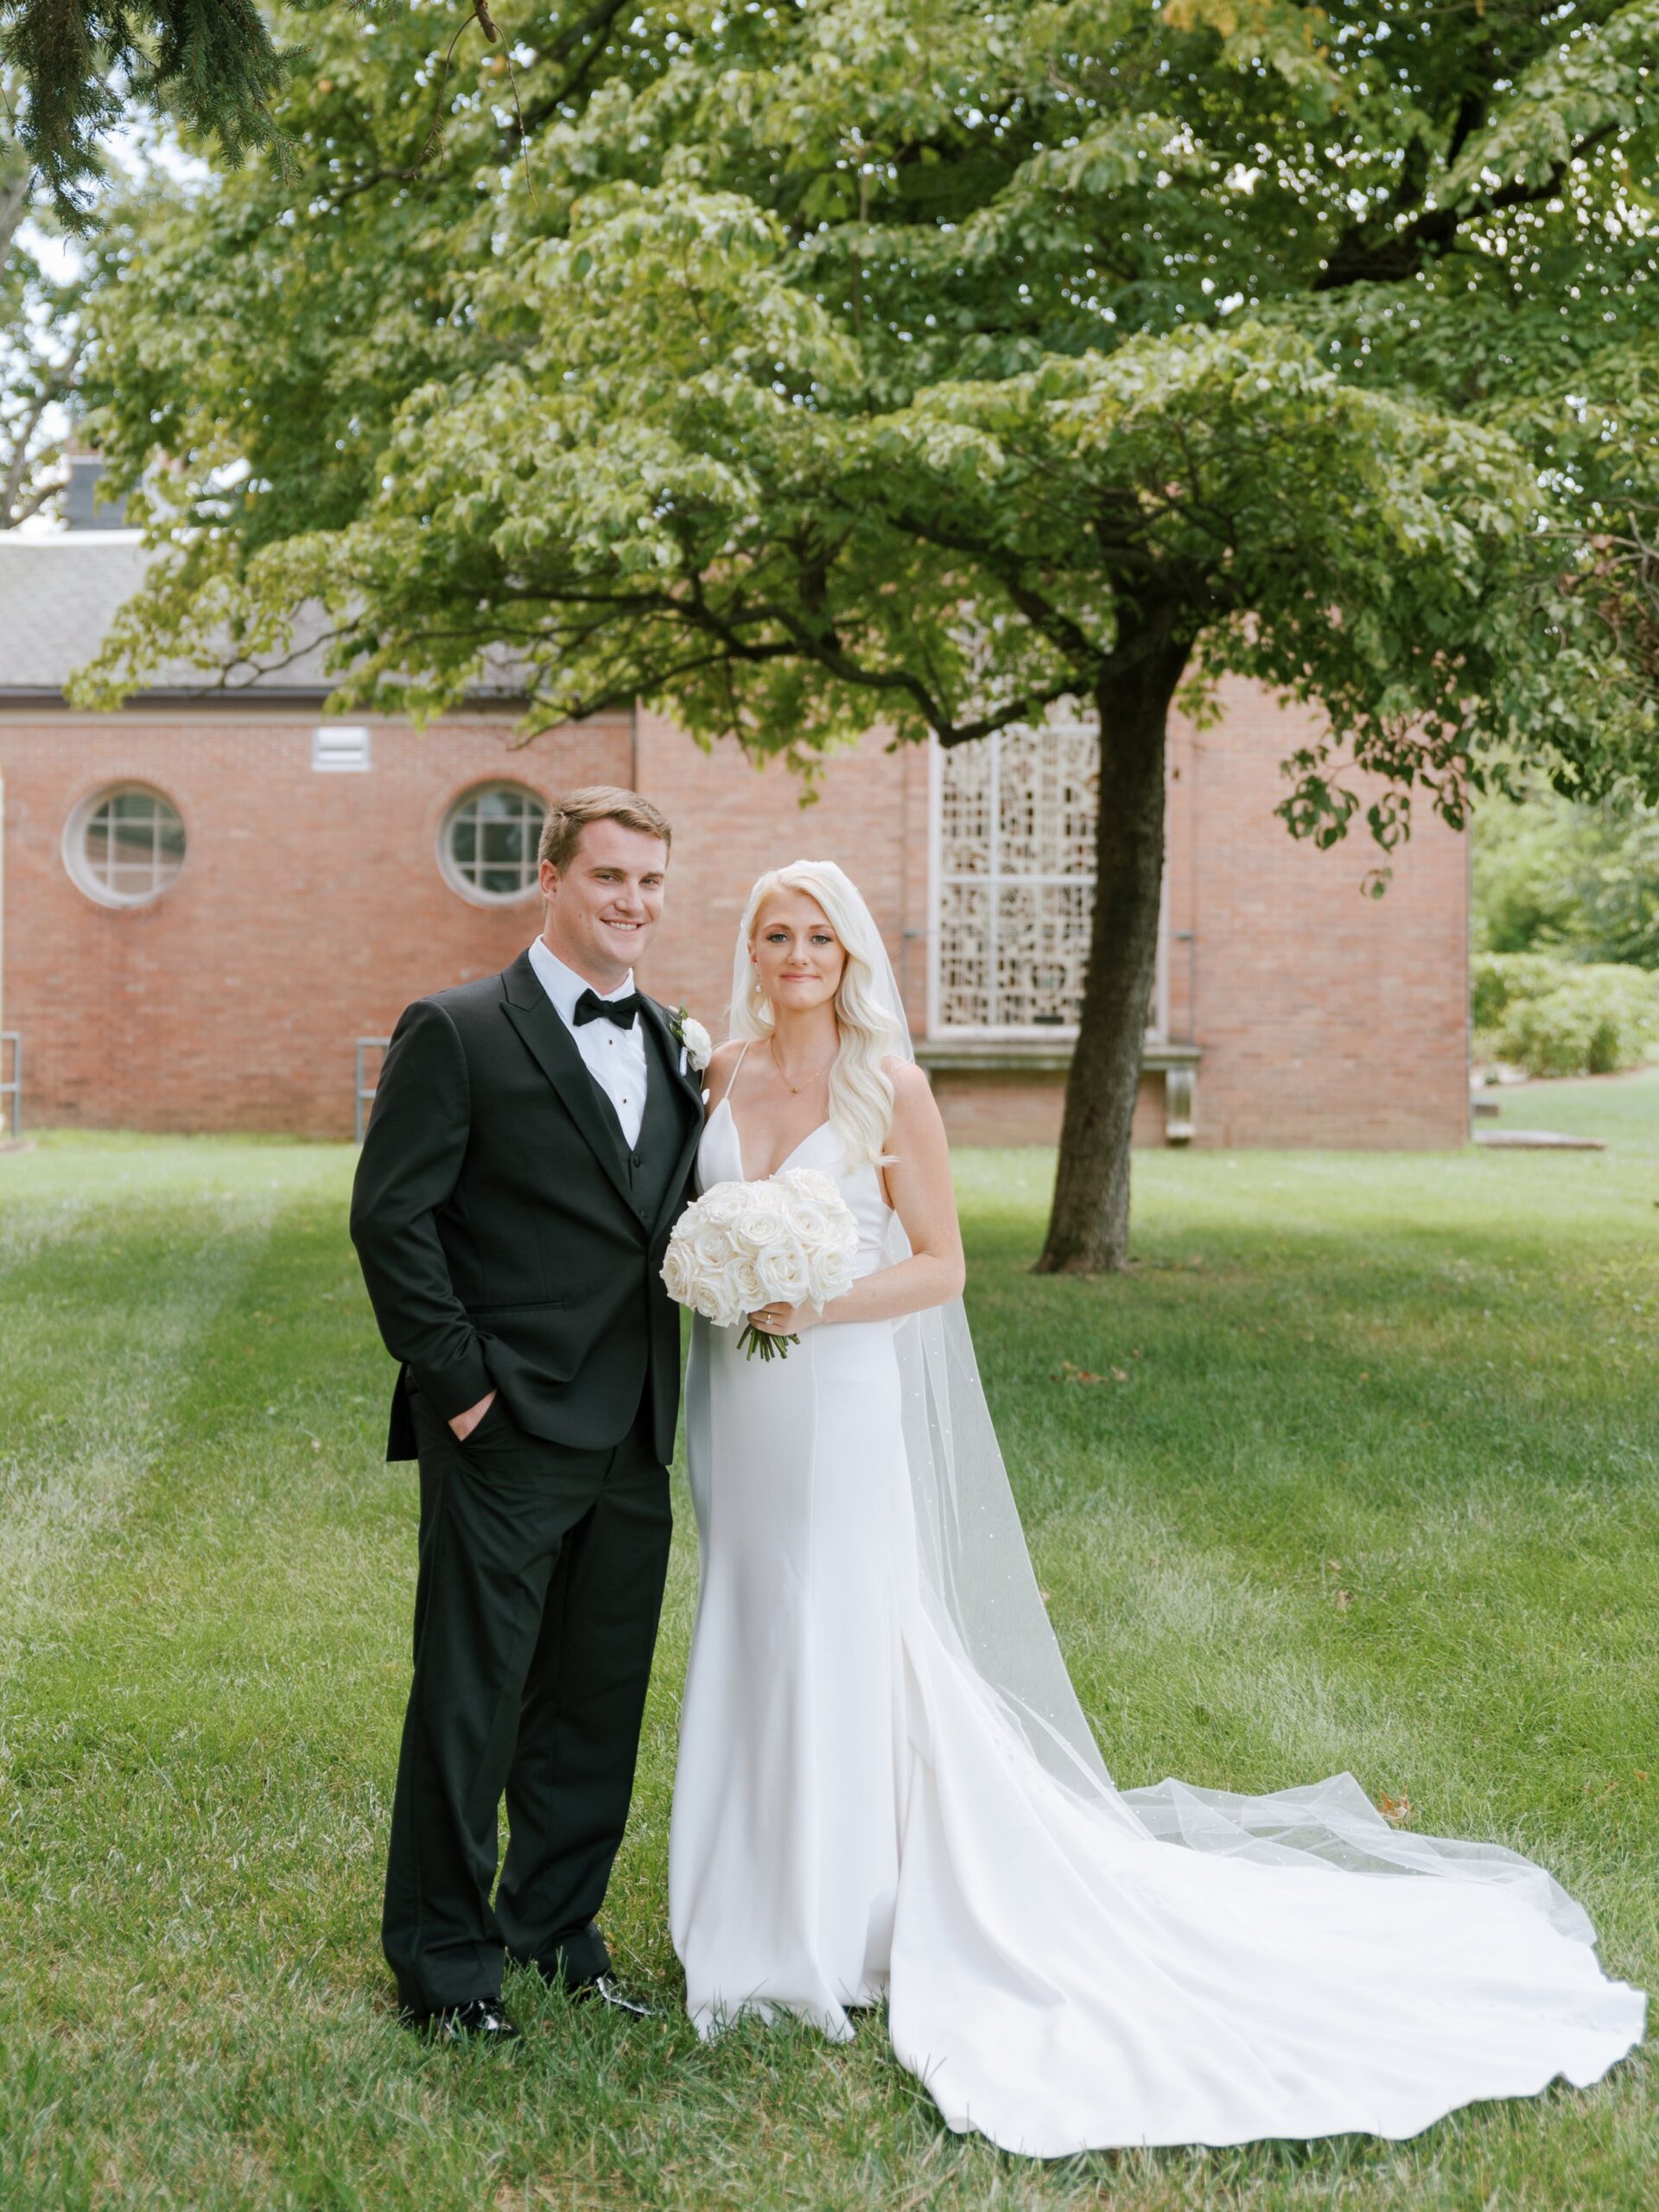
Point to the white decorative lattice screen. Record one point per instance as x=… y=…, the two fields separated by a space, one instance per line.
x=1013 y=879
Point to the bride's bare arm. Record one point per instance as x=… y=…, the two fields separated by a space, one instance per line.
x=920 y=1192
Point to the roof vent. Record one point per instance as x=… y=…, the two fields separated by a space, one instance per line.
x=340 y=751
x=82 y=508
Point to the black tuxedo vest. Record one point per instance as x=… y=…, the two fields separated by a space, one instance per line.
x=657 y=1149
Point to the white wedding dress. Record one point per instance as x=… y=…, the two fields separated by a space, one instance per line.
x=859 y=1816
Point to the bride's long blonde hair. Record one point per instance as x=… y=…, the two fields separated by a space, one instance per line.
x=860 y=1090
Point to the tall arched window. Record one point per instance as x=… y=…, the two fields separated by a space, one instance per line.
x=1013 y=881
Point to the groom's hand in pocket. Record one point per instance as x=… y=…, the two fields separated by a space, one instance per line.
x=464 y=1424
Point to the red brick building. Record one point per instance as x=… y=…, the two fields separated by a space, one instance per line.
x=208 y=899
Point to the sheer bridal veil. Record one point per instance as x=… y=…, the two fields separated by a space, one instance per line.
x=979 y=1588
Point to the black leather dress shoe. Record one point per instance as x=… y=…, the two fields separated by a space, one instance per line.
x=481 y=2020
x=603 y=1991
x=600 y=1989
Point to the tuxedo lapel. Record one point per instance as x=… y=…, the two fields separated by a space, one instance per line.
x=688 y=1094
x=686 y=1083
x=533 y=1015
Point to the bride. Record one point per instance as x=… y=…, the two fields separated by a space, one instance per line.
x=887 y=1788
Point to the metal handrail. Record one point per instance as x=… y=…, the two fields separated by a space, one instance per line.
x=12 y=1092
x=365 y=1092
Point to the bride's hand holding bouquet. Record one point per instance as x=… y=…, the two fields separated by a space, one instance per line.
x=771 y=1254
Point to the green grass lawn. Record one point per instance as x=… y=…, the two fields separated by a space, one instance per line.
x=1372 y=1481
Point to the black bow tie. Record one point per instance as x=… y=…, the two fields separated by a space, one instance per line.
x=591 y=1008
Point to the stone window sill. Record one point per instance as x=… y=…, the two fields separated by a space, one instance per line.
x=1035 y=1055
x=1177 y=1063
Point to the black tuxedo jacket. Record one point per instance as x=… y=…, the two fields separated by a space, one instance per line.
x=508 y=1239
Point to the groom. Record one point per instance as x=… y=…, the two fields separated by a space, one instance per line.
x=529 y=1148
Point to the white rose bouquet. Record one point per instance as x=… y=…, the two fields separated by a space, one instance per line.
x=741 y=1244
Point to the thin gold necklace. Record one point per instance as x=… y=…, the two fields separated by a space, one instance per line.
x=794 y=1088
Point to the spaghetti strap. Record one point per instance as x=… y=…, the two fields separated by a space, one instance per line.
x=731 y=1081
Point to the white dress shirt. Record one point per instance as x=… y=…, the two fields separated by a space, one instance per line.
x=615 y=1058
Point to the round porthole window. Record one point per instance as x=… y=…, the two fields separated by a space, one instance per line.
x=124 y=847
x=487 y=849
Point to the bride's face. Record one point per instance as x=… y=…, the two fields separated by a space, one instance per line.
x=798 y=954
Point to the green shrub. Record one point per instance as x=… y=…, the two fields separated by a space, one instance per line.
x=1557 y=875
x=1563 y=1017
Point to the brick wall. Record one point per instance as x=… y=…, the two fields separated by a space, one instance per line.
x=1327 y=1017
x=733 y=822
x=311 y=909
x=308 y=913
x=1004 y=1106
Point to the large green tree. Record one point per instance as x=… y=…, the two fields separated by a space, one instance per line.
x=921 y=363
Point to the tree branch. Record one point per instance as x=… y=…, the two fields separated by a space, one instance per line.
x=56 y=380
x=691 y=611
x=13 y=205
x=592 y=29
x=1370 y=254
x=1471 y=116
x=366 y=182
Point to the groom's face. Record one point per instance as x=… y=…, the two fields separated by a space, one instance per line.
x=603 y=907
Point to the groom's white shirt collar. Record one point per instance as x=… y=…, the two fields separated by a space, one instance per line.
x=615 y=1058
x=563 y=986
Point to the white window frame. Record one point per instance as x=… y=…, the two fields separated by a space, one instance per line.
x=447 y=866
x=1033 y=1032
x=74 y=846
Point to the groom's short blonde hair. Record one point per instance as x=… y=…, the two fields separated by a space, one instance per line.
x=568 y=816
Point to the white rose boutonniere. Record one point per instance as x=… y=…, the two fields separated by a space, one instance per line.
x=694 y=1043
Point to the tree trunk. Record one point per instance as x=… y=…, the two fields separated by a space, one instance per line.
x=1088 y=1228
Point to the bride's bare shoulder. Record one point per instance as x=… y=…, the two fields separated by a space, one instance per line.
x=722 y=1062
x=912 y=1094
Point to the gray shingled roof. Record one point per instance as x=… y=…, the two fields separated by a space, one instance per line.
x=59 y=596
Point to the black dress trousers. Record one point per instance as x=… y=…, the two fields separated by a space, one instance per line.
x=536 y=1609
